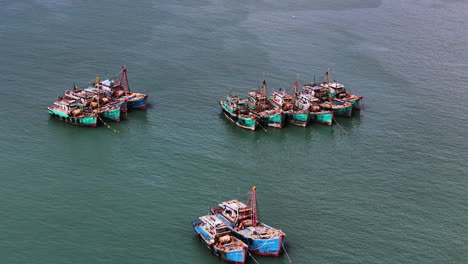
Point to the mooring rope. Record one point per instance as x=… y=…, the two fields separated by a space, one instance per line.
x=262 y=127
x=342 y=129
x=252 y=257
x=107 y=125
x=287 y=255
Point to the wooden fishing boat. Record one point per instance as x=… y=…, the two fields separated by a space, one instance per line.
x=306 y=101
x=297 y=115
x=272 y=117
x=338 y=91
x=216 y=236
x=121 y=93
x=345 y=109
x=236 y=110
x=243 y=220
x=97 y=101
x=67 y=110
x=259 y=105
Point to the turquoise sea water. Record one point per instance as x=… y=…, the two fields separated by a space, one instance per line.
x=393 y=189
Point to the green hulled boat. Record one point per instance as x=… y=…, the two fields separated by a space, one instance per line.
x=110 y=112
x=299 y=117
x=237 y=111
x=345 y=109
x=272 y=117
x=323 y=117
x=247 y=121
x=337 y=90
x=68 y=111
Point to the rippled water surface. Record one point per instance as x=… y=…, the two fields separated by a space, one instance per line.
x=393 y=189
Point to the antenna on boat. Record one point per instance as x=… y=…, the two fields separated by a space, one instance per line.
x=314 y=78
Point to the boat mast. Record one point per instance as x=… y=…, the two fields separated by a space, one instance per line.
x=124 y=80
x=255 y=208
x=252 y=202
x=296 y=84
x=263 y=94
x=97 y=81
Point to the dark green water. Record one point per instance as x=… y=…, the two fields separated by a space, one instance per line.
x=394 y=189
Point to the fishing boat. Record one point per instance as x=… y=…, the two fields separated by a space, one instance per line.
x=236 y=110
x=110 y=112
x=96 y=100
x=121 y=90
x=243 y=220
x=259 y=105
x=337 y=90
x=298 y=116
x=307 y=101
x=216 y=236
x=281 y=100
x=345 y=109
x=272 y=117
x=108 y=86
x=69 y=111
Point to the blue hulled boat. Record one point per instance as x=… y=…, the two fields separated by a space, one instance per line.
x=244 y=222
x=121 y=92
x=216 y=236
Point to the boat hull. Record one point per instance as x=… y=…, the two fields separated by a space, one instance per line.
x=233 y=256
x=249 y=123
x=323 y=117
x=357 y=103
x=112 y=115
x=123 y=107
x=299 y=119
x=345 y=109
x=88 y=121
x=277 y=120
x=246 y=122
x=265 y=247
x=139 y=103
x=229 y=111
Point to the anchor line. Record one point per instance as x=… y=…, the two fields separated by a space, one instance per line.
x=252 y=257
x=287 y=255
x=342 y=129
x=107 y=125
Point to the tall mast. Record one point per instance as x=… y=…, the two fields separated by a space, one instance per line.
x=97 y=80
x=254 y=206
x=252 y=202
x=326 y=78
x=263 y=94
x=296 y=84
x=97 y=85
x=124 y=81
x=263 y=90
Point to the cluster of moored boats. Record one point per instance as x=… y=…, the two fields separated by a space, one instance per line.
x=315 y=102
x=233 y=229
x=106 y=100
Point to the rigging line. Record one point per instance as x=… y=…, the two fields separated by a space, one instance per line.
x=262 y=126
x=109 y=127
x=342 y=129
x=252 y=257
x=287 y=255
